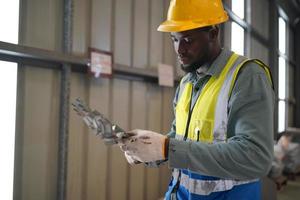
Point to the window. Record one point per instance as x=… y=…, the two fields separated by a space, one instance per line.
x=9 y=18
x=283 y=76
x=237 y=31
x=238 y=7
x=282 y=35
x=237 y=38
x=286 y=66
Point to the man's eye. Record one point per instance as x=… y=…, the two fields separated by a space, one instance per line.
x=174 y=39
x=188 y=40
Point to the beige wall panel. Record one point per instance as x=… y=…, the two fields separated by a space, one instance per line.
x=169 y=53
x=77 y=149
x=291 y=43
x=81 y=26
x=40 y=24
x=41 y=92
x=154 y=99
x=39 y=28
x=118 y=174
x=227 y=35
x=138 y=121
x=99 y=93
x=291 y=110
x=122 y=40
x=94 y=170
x=260 y=16
x=291 y=81
x=101 y=24
x=167 y=110
x=179 y=71
x=167 y=118
x=165 y=177
x=19 y=133
x=141 y=33
x=259 y=51
x=156 y=38
x=268 y=188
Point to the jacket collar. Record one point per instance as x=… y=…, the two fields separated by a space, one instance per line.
x=217 y=65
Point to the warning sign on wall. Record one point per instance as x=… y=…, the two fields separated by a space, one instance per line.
x=101 y=63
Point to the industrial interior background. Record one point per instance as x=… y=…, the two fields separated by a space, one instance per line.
x=56 y=157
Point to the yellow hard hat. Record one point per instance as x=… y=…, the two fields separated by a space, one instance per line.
x=190 y=14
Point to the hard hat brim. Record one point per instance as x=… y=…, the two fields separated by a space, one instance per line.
x=179 y=26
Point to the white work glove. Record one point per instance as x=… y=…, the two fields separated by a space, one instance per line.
x=130 y=159
x=145 y=146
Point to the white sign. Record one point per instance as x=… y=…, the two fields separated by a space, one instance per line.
x=101 y=63
x=165 y=75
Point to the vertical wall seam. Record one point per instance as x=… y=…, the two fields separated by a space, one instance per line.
x=147 y=128
x=129 y=117
x=110 y=108
x=297 y=75
x=89 y=42
x=149 y=33
x=88 y=85
x=147 y=89
x=162 y=99
x=19 y=132
x=64 y=102
x=19 y=135
x=162 y=132
x=273 y=58
x=88 y=24
x=163 y=36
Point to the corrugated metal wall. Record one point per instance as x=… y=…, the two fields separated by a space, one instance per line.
x=128 y=29
x=95 y=171
x=260 y=21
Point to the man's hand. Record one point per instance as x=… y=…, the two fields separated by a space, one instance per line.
x=131 y=160
x=144 y=146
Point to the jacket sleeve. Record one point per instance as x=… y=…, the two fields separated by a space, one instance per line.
x=249 y=149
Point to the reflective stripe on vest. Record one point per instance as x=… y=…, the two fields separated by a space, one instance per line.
x=208 y=120
x=205 y=187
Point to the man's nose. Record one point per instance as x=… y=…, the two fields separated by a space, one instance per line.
x=181 y=49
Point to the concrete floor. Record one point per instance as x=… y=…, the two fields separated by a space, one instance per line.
x=291 y=191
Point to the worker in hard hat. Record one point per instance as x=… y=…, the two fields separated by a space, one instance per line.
x=221 y=141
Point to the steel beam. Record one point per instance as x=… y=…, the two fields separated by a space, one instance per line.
x=297 y=76
x=273 y=56
x=64 y=102
x=51 y=59
x=20 y=53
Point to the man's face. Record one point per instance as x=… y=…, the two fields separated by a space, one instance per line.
x=192 y=48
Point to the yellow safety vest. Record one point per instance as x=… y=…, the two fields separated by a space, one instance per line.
x=207 y=122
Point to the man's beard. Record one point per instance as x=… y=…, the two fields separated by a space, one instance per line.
x=192 y=67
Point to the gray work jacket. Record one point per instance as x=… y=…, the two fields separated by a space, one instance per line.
x=249 y=149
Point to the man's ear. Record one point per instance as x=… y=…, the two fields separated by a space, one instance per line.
x=214 y=33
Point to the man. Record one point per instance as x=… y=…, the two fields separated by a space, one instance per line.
x=221 y=141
